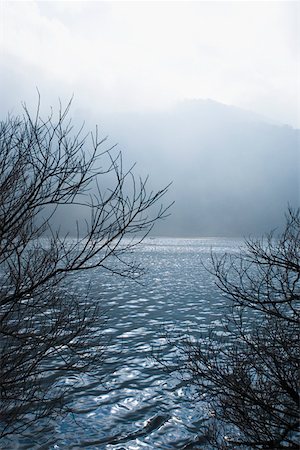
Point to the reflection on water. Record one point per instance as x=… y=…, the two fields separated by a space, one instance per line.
x=136 y=405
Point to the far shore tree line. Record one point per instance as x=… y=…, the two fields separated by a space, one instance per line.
x=250 y=377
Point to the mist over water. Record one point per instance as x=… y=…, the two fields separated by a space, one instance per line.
x=131 y=403
x=158 y=78
x=233 y=173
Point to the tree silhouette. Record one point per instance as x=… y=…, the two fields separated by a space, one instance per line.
x=248 y=379
x=47 y=328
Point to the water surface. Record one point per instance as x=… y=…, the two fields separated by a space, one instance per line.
x=131 y=403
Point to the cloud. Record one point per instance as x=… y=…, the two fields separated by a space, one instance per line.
x=143 y=55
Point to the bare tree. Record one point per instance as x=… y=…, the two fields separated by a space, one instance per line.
x=248 y=379
x=47 y=329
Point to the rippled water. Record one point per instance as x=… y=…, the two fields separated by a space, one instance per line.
x=137 y=405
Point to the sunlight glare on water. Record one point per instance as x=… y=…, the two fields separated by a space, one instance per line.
x=131 y=403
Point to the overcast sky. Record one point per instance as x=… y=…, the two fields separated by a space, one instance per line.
x=122 y=56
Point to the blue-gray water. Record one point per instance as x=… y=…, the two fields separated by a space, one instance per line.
x=137 y=405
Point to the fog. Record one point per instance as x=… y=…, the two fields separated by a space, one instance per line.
x=232 y=172
x=143 y=72
x=141 y=56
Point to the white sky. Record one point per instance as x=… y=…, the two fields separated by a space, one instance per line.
x=147 y=55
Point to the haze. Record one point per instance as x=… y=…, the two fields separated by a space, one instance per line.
x=144 y=72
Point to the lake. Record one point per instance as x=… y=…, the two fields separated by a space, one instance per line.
x=131 y=403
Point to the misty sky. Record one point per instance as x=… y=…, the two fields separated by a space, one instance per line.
x=143 y=71
x=132 y=56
